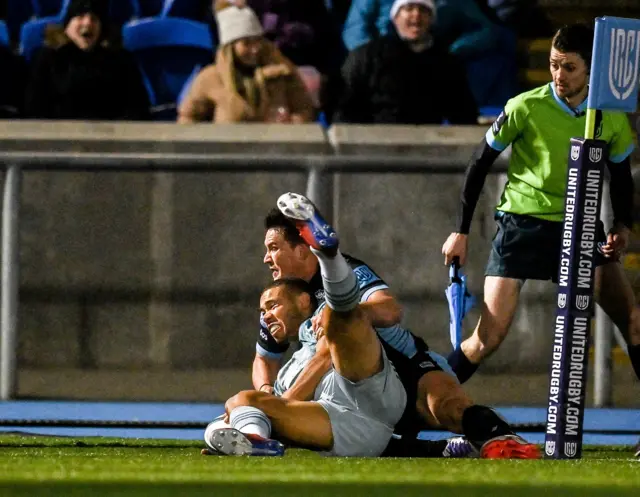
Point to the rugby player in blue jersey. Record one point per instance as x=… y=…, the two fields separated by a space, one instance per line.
x=431 y=392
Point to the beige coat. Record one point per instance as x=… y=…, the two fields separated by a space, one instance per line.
x=213 y=94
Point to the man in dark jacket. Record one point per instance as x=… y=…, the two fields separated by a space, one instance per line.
x=78 y=75
x=403 y=78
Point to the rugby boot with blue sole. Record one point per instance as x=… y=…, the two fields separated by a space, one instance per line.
x=231 y=442
x=313 y=228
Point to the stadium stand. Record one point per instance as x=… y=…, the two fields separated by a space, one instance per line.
x=168 y=51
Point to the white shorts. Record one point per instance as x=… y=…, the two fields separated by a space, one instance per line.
x=363 y=414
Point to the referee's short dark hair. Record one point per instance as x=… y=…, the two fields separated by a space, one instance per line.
x=576 y=38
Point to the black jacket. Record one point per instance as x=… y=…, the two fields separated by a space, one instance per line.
x=69 y=83
x=385 y=82
x=12 y=82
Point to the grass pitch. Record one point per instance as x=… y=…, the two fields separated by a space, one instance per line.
x=43 y=466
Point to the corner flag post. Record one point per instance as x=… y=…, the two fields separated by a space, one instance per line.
x=613 y=85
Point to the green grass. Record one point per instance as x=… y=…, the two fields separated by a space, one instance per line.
x=42 y=466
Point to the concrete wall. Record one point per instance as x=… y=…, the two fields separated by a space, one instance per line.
x=162 y=271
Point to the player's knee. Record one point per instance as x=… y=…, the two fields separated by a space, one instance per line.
x=251 y=398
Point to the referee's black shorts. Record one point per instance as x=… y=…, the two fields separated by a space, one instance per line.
x=528 y=248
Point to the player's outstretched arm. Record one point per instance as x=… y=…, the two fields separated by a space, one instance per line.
x=475 y=176
x=264 y=373
x=382 y=309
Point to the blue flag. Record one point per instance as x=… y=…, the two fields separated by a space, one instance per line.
x=615 y=66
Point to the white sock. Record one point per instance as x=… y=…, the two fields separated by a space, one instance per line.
x=341 y=291
x=250 y=420
x=332 y=268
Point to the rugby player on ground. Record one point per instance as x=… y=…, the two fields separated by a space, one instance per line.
x=449 y=406
x=538 y=124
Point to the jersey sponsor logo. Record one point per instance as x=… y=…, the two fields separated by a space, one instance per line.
x=497 y=124
x=427 y=364
x=575 y=152
x=320 y=295
x=624 y=62
x=365 y=275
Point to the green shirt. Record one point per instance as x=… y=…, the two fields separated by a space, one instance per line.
x=539 y=126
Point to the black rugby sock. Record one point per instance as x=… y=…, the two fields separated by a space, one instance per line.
x=414 y=447
x=462 y=367
x=480 y=424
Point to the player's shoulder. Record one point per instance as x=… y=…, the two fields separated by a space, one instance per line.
x=353 y=261
x=529 y=99
x=364 y=272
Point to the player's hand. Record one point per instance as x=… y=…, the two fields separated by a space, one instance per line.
x=455 y=246
x=617 y=242
x=266 y=388
x=316 y=326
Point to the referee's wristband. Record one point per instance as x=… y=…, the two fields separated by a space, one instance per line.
x=264 y=385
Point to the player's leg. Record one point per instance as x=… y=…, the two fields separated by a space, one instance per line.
x=442 y=399
x=253 y=413
x=355 y=349
x=523 y=248
x=616 y=297
x=499 y=306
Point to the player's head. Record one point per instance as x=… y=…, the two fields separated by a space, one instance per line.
x=285 y=304
x=287 y=254
x=570 y=59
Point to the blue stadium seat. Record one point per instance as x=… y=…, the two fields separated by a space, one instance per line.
x=32 y=35
x=48 y=8
x=18 y=12
x=4 y=34
x=185 y=9
x=167 y=50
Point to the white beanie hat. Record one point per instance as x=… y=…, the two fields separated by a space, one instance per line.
x=235 y=23
x=398 y=4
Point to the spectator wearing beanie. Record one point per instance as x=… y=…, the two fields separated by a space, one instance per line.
x=78 y=74
x=250 y=81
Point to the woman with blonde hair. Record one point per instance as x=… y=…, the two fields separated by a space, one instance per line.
x=250 y=81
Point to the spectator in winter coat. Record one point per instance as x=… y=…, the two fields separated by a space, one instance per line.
x=80 y=75
x=250 y=81
x=404 y=77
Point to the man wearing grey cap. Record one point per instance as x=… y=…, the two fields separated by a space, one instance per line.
x=404 y=77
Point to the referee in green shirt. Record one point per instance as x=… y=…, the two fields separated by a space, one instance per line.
x=538 y=124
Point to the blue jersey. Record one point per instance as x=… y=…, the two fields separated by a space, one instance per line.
x=395 y=336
